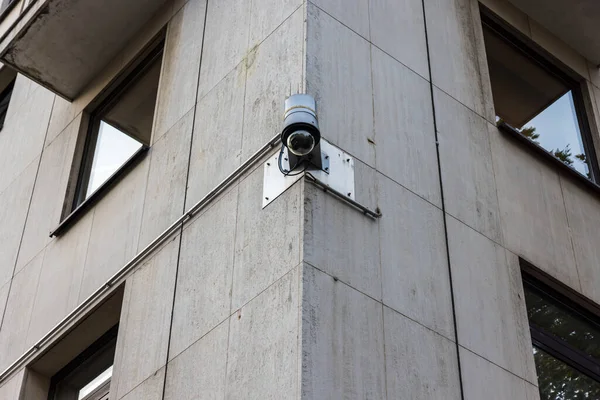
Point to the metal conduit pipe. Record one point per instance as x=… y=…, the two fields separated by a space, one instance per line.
x=119 y=277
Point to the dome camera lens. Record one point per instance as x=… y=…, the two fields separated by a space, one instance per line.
x=301 y=143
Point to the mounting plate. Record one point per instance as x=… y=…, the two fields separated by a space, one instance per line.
x=337 y=173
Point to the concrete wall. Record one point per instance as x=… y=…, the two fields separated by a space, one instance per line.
x=223 y=290
x=392 y=308
x=307 y=298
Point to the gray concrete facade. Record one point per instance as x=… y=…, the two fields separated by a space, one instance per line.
x=307 y=298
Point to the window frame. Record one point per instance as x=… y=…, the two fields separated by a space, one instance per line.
x=540 y=282
x=89 y=353
x=563 y=73
x=95 y=120
x=75 y=206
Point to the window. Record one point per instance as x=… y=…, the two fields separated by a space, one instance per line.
x=7 y=83
x=88 y=376
x=120 y=127
x=4 y=101
x=566 y=344
x=535 y=98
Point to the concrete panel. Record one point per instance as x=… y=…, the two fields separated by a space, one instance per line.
x=509 y=13
x=532 y=210
x=4 y=296
x=274 y=71
x=217 y=144
x=484 y=380
x=338 y=74
x=119 y=211
x=488 y=289
x=23 y=134
x=226 y=41
x=398 y=28
x=267 y=243
x=341 y=240
x=404 y=130
x=413 y=258
x=267 y=15
x=13 y=214
x=467 y=170
x=150 y=389
x=23 y=88
x=13 y=333
x=49 y=193
x=60 y=279
x=11 y=388
x=420 y=364
x=181 y=66
x=583 y=213
x=203 y=297
x=199 y=372
x=457 y=50
x=263 y=354
x=352 y=13
x=342 y=341
x=165 y=191
x=63 y=113
x=144 y=327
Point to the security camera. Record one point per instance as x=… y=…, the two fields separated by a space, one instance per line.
x=301 y=135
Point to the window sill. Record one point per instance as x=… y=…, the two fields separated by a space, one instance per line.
x=76 y=214
x=549 y=158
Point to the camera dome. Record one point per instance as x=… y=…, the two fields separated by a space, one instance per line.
x=301 y=142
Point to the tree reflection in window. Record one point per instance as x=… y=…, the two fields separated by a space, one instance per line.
x=559 y=381
x=563 y=322
x=566 y=344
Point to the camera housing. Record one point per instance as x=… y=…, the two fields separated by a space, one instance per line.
x=301 y=135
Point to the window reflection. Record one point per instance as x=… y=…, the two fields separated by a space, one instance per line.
x=556 y=129
x=566 y=324
x=113 y=148
x=559 y=381
x=98 y=382
x=535 y=101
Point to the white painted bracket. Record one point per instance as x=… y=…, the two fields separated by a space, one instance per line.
x=337 y=173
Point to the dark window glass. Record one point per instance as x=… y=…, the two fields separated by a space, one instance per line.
x=563 y=322
x=88 y=377
x=4 y=101
x=559 y=381
x=120 y=127
x=566 y=344
x=539 y=103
